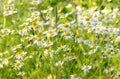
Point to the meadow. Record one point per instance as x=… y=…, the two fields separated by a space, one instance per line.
x=59 y=39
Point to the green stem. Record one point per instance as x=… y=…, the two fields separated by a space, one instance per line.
x=4 y=24
x=56 y=15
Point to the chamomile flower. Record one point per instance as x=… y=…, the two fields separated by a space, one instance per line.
x=1 y=65
x=7 y=31
x=18 y=64
x=116 y=77
x=78 y=38
x=35 y=13
x=35 y=2
x=38 y=41
x=21 y=73
x=108 y=70
x=40 y=22
x=20 y=55
x=108 y=53
x=9 y=8
x=117 y=39
x=86 y=68
x=5 y=61
x=48 y=52
x=69 y=58
x=67 y=35
x=48 y=43
x=65 y=26
x=16 y=47
x=50 y=33
x=75 y=76
x=59 y=63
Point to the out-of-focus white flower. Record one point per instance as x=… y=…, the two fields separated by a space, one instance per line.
x=65 y=26
x=78 y=38
x=67 y=35
x=86 y=68
x=69 y=58
x=50 y=33
x=69 y=6
x=5 y=61
x=20 y=55
x=35 y=2
x=21 y=73
x=1 y=65
x=48 y=43
x=35 y=13
x=38 y=41
x=117 y=39
x=18 y=64
x=59 y=63
x=49 y=52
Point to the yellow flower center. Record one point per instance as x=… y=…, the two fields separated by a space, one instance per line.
x=88 y=22
x=65 y=25
x=34 y=2
x=35 y=26
x=25 y=27
x=39 y=19
x=50 y=33
x=33 y=23
x=93 y=45
x=47 y=42
x=115 y=78
x=13 y=9
x=87 y=18
x=77 y=36
x=67 y=34
x=17 y=64
x=19 y=54
x=38 y=39
x=75 y=75
x=108 y=52
x=6 y=12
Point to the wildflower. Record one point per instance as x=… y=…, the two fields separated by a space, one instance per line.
x=35 y=2
x=86 y=68
x=18 y=64
x=59 y=63
x=78 y=38
x=108 y=70
x=116 y=77
x=7 y=31
x=75 y=76
x=65 y=26
x=69 y=58
x=38 y=41
x=117 y=39
x=48 y=43
x=35 y=13
x=19 y=55
x=48 y=52
x=6 y=13
x=108 y=53
x=1 y=65
x=51 y=33
x=21 y=73
x=17 y=47
x=5 y=61
x=9 y=9
x=67 y=35
x=40 y=22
